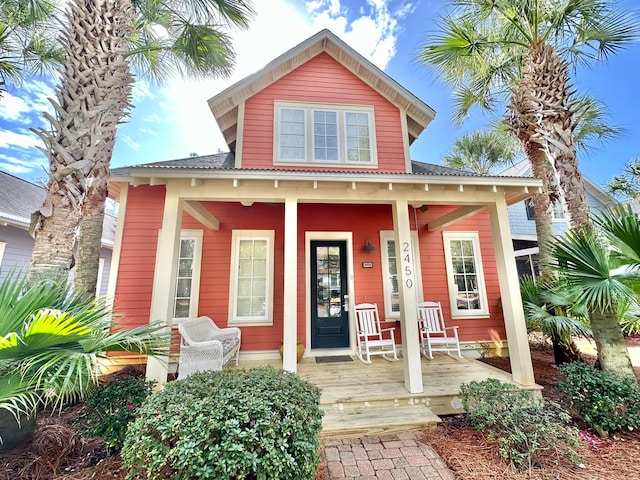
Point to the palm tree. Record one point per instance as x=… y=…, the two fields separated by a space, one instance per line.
x=556 y=311
x=104 y=41
x=52 y=342
x=27 y=40
x=520 y=50
x=627 y=184
x=604 y=264
x=483 y=152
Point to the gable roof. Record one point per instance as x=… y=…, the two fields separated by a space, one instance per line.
x=19 y=198
x=224 y=105
x=522 y=169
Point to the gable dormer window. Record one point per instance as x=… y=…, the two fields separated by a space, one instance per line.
x=324 y=134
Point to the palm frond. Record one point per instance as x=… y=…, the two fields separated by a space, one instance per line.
x=17 y=395
x=583 y=261
x=593 y=126
x=53 y=341
x=622 y=229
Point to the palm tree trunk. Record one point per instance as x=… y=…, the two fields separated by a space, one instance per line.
x=541 y=209
x=85 y=278
x=548 y=101
x=52 y=255
x=91 y=101
x=613 y=354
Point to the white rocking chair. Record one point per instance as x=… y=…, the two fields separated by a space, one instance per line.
x=205 y=346
x=434 y=335
x=370 y=335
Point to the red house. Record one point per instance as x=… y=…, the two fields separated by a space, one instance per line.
x=317 y=207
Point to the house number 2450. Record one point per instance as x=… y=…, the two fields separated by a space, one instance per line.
x=406 y=259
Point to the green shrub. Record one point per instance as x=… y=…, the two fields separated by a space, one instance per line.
x=261 y=423
x=522 y=424
x=112 y=407
x=604 y=401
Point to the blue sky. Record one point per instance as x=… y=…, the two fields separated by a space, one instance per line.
x=173 y=120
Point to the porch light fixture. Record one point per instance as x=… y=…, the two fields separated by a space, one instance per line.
x=368 y=247
x=420 y=206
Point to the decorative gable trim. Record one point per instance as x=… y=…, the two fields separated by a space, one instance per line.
x=225 y=105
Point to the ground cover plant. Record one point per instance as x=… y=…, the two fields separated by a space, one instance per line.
x=524 y=426
x=112 y=407
x=605 y=401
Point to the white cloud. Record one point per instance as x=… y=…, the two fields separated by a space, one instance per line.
x=148 y=131
x=13 y=168
x=25 y=105
x=153 y=118
x=131 y=142
x=24 y=139
x=27 y=163
x=12 y=107
x=142 y=91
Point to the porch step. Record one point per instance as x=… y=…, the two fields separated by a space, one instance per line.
x=367 y=421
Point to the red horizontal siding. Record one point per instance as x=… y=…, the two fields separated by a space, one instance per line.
x=320 y=80
x=137 y=263
x=143 y=220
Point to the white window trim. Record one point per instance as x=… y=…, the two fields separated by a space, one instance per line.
x=554 y=218
x=339 y=117
x=100 y=272
x=196 y=235
x=2 y=248
x=236 y=236
x=447 y=237
x=309 y=140
x=385 y=236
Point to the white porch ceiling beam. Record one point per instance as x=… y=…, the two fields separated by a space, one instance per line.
x=201 y=214
x=157 y=181
x=455 y=216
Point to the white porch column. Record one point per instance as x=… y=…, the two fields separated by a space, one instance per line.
x=517 y=338
x=408 y=298
x=164 y=277
x=290 y=294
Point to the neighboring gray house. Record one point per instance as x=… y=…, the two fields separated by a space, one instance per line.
x=523 y=226
x=18 y=198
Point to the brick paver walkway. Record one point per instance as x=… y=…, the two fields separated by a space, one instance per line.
x=390 y=457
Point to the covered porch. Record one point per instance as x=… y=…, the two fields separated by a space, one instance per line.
x=223 y=201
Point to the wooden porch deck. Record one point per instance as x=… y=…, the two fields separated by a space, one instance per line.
x=372 y=399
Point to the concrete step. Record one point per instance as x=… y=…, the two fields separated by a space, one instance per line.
x=372 y=421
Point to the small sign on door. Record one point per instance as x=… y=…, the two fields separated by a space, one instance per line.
x=367 y=264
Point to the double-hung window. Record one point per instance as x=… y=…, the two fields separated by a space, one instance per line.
x=324 y=134
x=251 y=289
x=465 y=275
x=185 y=304
x=390 y=264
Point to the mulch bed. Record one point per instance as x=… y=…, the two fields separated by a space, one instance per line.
x=472 y=456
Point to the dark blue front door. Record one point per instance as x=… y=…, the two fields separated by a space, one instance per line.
x=329 y=318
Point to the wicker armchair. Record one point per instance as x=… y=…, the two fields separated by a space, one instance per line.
x=205 y=346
